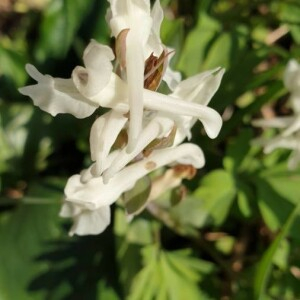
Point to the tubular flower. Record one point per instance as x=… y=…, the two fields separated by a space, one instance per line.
x=135 y=22
x=87 y=196
x=143 y=129
x=288 y=126
x=87 y=90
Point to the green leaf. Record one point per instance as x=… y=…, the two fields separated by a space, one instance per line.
x=43 y=260
x=210 y=203
x=13 y=133
x=60 y=23
x=196 y=45
x=12 y=66
x=23 y=234
x=244 y=198
x=168 y=276
x=284 y=182
x=289 y=15
x=172 y=33
x=274 y=208
x=140 y=232
x=265 y=265
x=216 y=193
x=236 y=158
x=231 y=43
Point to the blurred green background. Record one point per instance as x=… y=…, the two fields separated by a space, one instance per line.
x=236 y=234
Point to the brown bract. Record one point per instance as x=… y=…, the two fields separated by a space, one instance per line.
x=154 y=70
x=185 y=171
x=161 y=143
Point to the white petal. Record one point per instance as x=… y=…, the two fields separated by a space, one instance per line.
x=172 y=78
x=56 y=95
x=98 y=56
x=135 y=80
x=95 y=193
x=91 y=222
x=91 y=80
x=294 y=127
x=281 y=142
x=291 y=77
x=114 y=95
x=104 y=132
x=157 y=128
x=130 y=14
x=201 y=87
x=92 y=172
x=91 y=192
x=69 y=210
x=279 y=122
x=157 y=15
x=295 y=101
x=154 y=44
x=210 y=118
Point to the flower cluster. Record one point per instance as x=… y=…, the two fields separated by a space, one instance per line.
x=143 y=129
x=288 y=126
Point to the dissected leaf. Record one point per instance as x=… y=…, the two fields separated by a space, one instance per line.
x=168 y=275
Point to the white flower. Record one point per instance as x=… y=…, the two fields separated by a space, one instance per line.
x=86 y=221
x=142 y=28
x=104 y=133
x=291 y=79
x=105 y=130
x=291 y=142
x=88 y=196
x=57 y=95
x=196 y=89
x=288 y=126
x=96 y=85
x=143 y=129
x=160 y=125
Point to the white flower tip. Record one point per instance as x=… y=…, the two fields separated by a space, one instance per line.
x=213 y=124
x=292 y=65
x=34 y=73
x=23 y=91
x=221 y=72
x=132 y=142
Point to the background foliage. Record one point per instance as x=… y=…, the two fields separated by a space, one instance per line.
x=235 y=235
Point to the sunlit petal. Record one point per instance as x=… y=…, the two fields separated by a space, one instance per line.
x=294 y=127
x=104 y=133
x=91 y=221
x=291 y=77
x=157 y=128
x=135 y=79
x=279 y=122
x=97 y=72
x=281 y=142
x=95 y=193
x=210 y=118
x=57 y=95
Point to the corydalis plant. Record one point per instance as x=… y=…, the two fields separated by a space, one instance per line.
x=144 y=129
